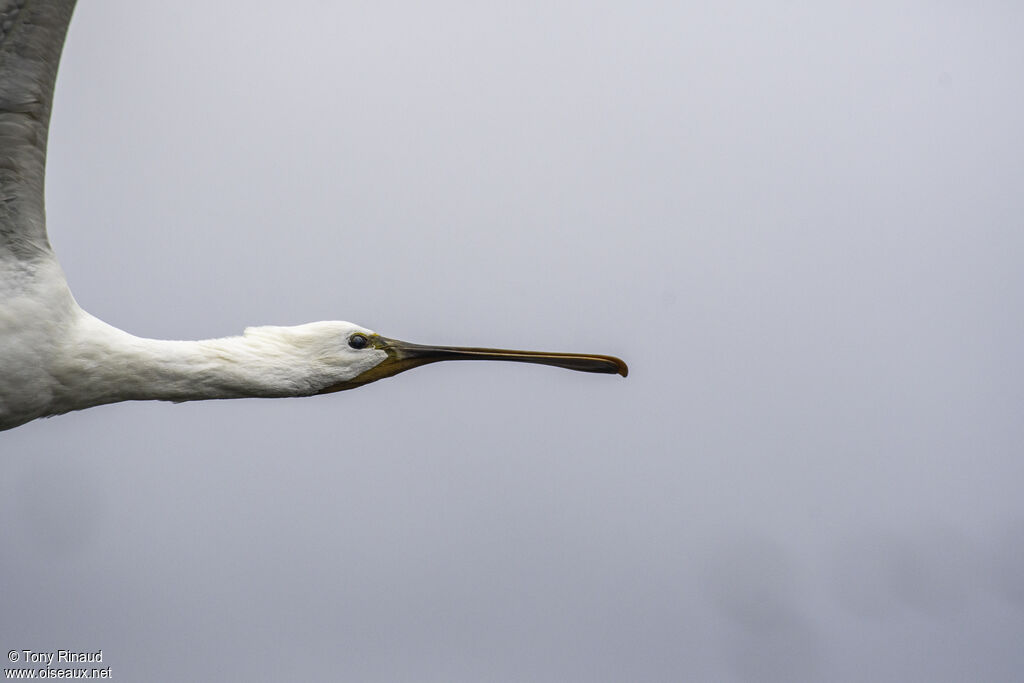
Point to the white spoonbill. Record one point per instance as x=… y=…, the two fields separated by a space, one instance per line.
x=55 y=357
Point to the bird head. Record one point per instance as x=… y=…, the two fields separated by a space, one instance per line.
x=350 y=356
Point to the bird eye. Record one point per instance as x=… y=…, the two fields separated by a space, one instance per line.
x=358 y=341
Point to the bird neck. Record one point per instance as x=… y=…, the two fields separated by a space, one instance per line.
x=107 y=365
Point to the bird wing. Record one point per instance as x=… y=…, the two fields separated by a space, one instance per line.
x=31 y=38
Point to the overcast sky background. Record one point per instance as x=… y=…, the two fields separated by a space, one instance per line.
x=801 y=224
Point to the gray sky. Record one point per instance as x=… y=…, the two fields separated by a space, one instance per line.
x=801 y=225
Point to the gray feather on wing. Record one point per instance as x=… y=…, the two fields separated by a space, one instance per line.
x=31 y=39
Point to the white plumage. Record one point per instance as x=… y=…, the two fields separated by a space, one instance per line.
x=55 y=357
